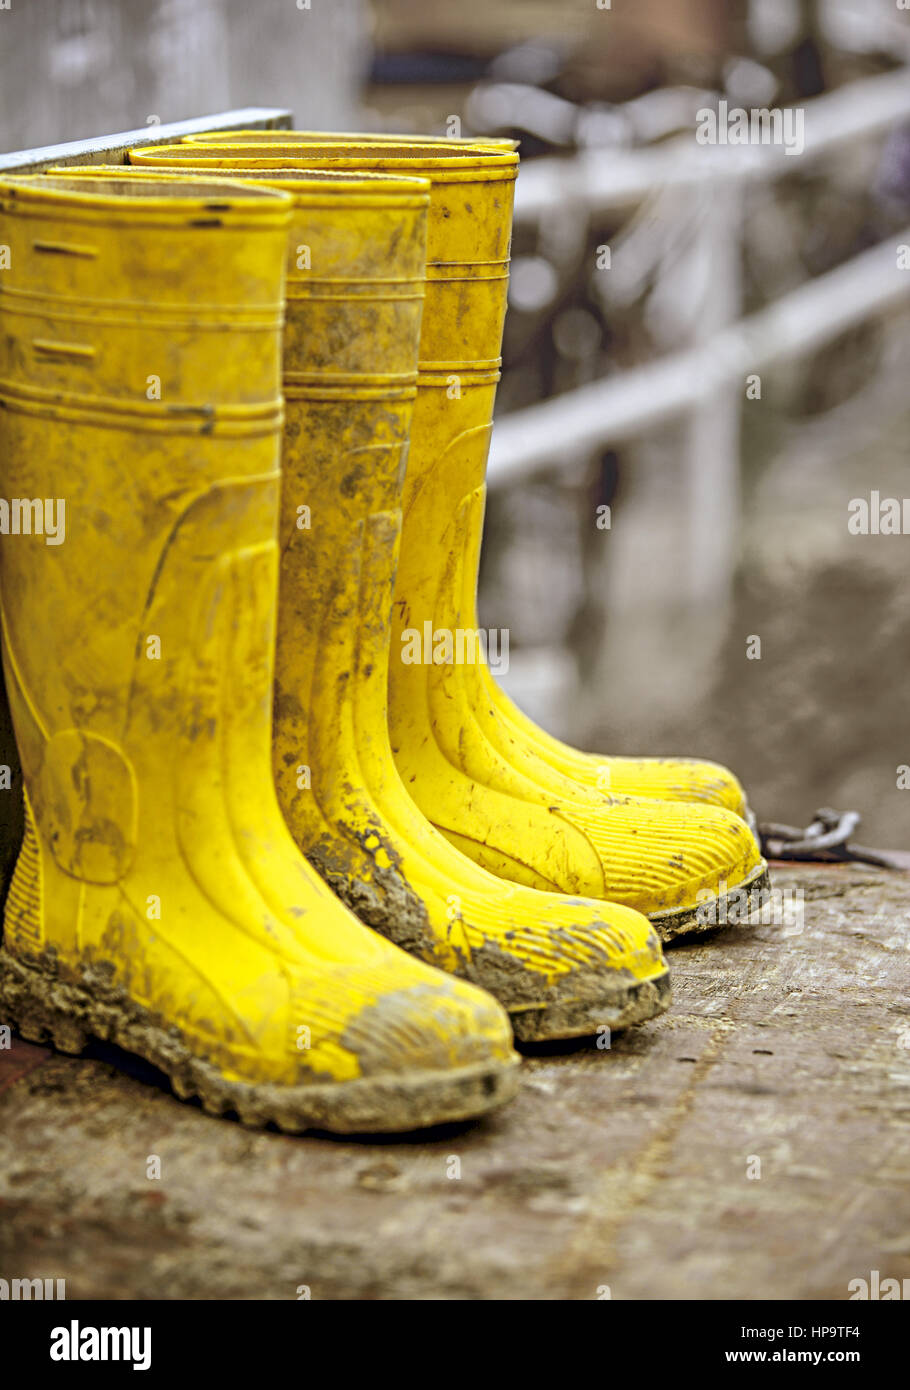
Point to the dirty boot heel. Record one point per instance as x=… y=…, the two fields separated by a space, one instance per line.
x=26 y=995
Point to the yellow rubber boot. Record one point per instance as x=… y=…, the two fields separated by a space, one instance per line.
x=515 y=816
x=159 y=900
x=563 y=967
x=668 y=779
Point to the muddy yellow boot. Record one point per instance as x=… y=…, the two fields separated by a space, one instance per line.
x=159 y=900
x=563 y=967
x=521 y=819
x=665 y=779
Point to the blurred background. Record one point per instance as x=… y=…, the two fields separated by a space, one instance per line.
x=712 y=342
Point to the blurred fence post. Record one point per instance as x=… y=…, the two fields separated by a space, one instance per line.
x=712 y=447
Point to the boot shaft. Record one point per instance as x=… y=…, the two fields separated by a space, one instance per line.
x=356 y=267
x=356 y=272
x=468 y=233
x=468 y=240
x=124 y=301
x=168 y=490
x=469 y=230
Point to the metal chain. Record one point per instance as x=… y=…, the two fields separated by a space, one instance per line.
x=824 y=841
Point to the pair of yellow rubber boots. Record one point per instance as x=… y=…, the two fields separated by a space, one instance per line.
x=161 y=898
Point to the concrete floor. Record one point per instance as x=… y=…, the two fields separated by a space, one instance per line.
x=627 y=1170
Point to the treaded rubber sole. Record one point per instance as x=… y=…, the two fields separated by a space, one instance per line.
x=617 y=1008
x=44 y=1008
x=687 y=920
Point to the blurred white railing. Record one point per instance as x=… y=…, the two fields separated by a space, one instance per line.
x=600 y=181
x=604 y=180
x=632 y=401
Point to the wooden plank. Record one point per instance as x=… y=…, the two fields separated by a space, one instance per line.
x=628 y=1168
x=17 y=1061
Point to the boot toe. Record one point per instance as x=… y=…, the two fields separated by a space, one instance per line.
x=412 y=1020
x=659 y=856
x=566 y=967
x=678 y=779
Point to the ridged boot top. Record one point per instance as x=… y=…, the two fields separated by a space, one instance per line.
x=468 y=231
x=104 y=279
x=351 y=137
x=356 y=271
x=444 y=161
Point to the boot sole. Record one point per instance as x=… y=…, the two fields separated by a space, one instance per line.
x=618 y=1008
x=685 y=921
x=44 y=1008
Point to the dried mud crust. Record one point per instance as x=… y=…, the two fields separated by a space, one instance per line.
x=386 y=902
x=575 y=1006
x=626 y=1003
x=685 y=921
x=45 y=1008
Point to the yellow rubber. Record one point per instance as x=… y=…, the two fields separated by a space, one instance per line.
x=562 y=967
x=665 y=779
x=159 y=899
x=284 y=137
x=521 y=819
